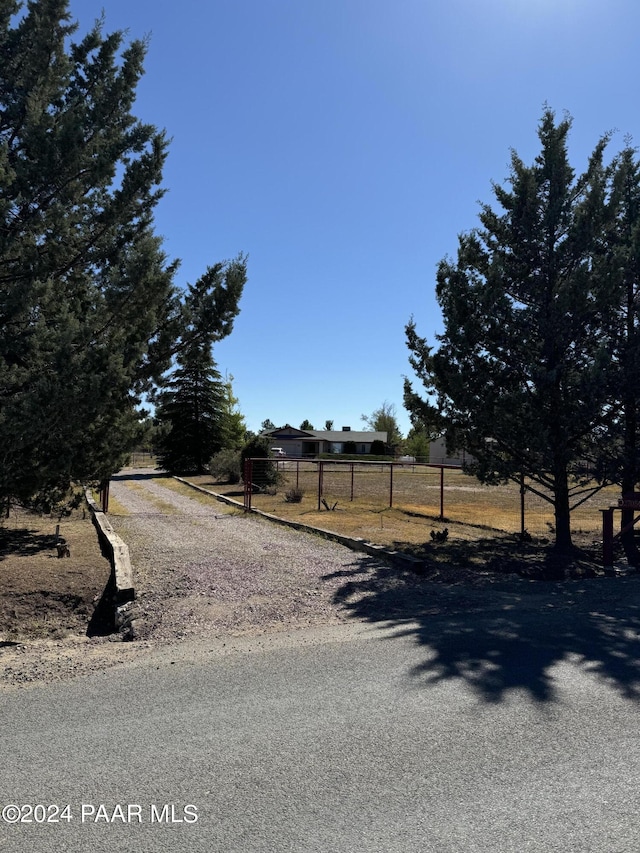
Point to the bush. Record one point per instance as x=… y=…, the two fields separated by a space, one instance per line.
x=378 y=448
x=265 y=474
x=226 y=466
x=294 y=495
x=349 y=447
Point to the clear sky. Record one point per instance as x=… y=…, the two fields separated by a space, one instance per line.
x=343 y=145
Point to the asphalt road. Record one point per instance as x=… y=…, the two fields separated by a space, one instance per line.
x=338 y=740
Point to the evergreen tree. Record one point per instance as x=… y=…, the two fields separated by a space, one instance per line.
x=89 y=313
x=235 y=427
x=191 y=413
x=194 y=404
x=520 y=375
x=616 y=453
x=306 y=424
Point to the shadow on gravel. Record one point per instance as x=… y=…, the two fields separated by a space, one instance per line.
x=151 y=474
x=503 y=634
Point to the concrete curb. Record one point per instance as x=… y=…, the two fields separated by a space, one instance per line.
x=355 y=543
x=121 y=570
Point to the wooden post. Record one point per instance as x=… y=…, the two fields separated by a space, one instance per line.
x=104 y=495
x=441 y=492
x=248 y=484
x=607 y=537
x=320 y=476
x=522 y=491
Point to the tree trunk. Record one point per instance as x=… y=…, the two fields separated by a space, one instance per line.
x=629 y=479
x=563 y=543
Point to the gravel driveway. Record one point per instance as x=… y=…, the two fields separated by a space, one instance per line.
x=205 y=568
x=202 y=571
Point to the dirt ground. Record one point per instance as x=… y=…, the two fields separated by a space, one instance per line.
x=42 y=596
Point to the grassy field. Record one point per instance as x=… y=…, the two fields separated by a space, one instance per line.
x=362 y=504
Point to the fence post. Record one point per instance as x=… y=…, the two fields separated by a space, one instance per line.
x=522 y=491
x=441 y=492
x=607 y=537
x=320 y=476
x=352 y=467
x=390 y=485
x=104 y=495
x=248 y=482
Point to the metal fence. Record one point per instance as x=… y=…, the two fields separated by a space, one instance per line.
x=438 y=491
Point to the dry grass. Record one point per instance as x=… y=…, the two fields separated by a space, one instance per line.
x=162 y=506
x=188 y=492
x=115 y=506
x=471 y=510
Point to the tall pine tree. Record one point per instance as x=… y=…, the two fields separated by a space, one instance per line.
x=617 y=450
x=191 y=413
x=89 y=313
x=194 y=406
x=519 y=377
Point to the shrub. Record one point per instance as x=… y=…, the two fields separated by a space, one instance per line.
x=265 y=472
x=226 y=466
x=378 y=448
x=294 y=495
x=349 y=447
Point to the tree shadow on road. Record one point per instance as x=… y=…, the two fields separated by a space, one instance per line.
x=503 y=633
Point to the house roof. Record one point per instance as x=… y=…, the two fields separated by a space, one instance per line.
x=349 y=435
x=289 y=432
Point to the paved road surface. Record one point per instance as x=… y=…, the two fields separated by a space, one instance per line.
x=486 y=721
x=331 y=744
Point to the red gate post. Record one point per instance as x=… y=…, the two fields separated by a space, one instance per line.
x=320 y=475
x=607 y=537
x=103 y=495
x=248 y=483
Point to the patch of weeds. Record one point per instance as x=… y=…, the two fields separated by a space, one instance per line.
x=294 y=495
x=116 y=508
x=164 y=507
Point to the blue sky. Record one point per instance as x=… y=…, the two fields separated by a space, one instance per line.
x=343 y=145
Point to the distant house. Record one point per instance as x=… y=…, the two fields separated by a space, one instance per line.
x=438 y=454
x=312 y=442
